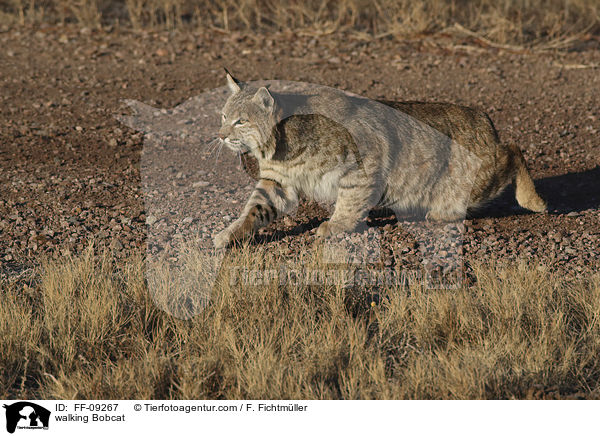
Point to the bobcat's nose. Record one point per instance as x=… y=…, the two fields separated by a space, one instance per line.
x=221 y=136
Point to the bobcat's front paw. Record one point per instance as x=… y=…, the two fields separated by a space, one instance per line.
x=223 y=238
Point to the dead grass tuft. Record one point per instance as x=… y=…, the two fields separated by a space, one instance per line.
x=89 y=329
x=501 y=21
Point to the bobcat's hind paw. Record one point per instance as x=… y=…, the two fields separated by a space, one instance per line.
x=445 y=217
x=329 y=228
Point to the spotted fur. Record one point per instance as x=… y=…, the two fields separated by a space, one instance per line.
x=438 y=158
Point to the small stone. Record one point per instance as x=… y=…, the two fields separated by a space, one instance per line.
x=116 y=245
x=151 y=219
x=188 y=220
x=200 y=184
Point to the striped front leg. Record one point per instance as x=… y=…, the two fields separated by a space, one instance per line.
x=268 y=201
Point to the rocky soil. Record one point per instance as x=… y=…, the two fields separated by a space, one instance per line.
x=72 y=174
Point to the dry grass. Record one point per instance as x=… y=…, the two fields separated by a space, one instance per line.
x=88 y=329
x=500 y=21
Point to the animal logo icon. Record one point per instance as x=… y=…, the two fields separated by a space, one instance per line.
x=24 y=414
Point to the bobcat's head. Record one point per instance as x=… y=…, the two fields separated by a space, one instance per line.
x=247 y=119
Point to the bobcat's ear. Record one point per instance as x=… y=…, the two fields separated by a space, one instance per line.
x=232 y=82
x=263 y=98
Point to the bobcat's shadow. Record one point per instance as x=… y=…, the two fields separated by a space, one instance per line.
x=313 y=215
x=572 y=192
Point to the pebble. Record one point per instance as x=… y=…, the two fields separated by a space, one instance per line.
x=116 y=245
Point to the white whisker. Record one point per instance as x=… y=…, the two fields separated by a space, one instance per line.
x=219 y=152
x=212 y=145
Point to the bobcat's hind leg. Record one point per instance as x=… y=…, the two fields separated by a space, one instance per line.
x=351 y=208
x=449 y=206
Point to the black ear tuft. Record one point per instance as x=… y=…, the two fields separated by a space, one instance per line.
x=231 y=75
x=233 y=83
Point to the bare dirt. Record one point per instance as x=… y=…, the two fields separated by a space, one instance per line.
x=70 y=172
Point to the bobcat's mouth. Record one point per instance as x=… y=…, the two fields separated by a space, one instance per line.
x=236 y=145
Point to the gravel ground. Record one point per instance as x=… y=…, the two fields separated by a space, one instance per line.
x=71 y=173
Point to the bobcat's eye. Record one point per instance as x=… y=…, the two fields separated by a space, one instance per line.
x=241 y=121
x=223 y=117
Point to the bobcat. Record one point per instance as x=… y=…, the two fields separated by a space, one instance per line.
x=442 y=159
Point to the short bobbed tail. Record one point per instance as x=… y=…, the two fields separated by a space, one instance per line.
x=526 y=194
